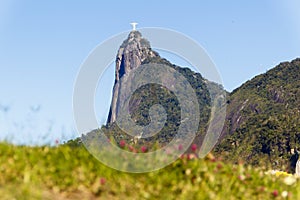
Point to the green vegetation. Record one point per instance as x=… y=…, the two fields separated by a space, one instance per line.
x=70 y=172
x=263 y=119
x=262 y=127
x=150 y=94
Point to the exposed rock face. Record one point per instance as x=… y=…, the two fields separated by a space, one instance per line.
x=129 y=102
x=134 y=50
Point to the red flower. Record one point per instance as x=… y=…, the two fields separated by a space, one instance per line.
x=102 y=181
x=275 y=193
x=144 y=149
x=131 y=148
x=122 y=143
x=194 y=147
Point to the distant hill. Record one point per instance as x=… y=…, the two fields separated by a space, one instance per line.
x=263 y=118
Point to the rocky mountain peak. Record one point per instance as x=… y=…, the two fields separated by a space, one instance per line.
x=134 y=36
x=134 y=50
x=131 y=54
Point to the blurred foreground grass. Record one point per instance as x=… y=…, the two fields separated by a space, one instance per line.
x=66 y=172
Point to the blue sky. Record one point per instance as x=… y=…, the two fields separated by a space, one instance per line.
x=43 y=44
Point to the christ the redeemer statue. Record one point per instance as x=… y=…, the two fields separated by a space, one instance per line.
x=133 y=24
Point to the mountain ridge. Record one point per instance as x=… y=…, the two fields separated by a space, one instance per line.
x=263 y=117
x=262 y=120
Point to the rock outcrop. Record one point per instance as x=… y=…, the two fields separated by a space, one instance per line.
x=131 y=54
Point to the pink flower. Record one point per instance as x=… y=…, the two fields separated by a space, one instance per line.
x=122 y=143
x=56 y=141
x=194 y=147
x=144 y=149
x=102 y=181
x=180 y=147
x=241 y=177
x=275 y=193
